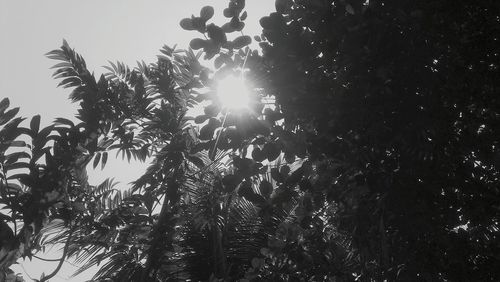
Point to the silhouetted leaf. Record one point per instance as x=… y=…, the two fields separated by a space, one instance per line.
x=17 y=143
x=258 y=155
x=104 y=159
x=284 y=170
x=4 y=104
x=212 y=110
x=241 y=41
x=197 y=43
x=16 y=165
x=187 y=24
x=207 y=132
x=266 y=188
x=272 y=151
x=97 y=158
x=243 y=16
x=228 y=13
x=276 y=175
x=64 y=121
x=216 y=34
x=7 y=116
x=245 y=189
x=200 y=119
x=207 y=13
x=35 y=124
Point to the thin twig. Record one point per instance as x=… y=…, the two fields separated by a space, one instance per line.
x=26 y=272
x=218 y=135
x=44 y=259
x=62 y=259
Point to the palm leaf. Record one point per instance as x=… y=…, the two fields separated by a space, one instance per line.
x=72 y=70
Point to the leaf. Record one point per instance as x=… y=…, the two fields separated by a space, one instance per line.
x=212 y=110
x=241 y=41
x=289 y=157
x=197 y=43
x=266 y=188
x=200 y=119
x=104 y=159
x=245 y=189
x=4 y=104
x=284 y=170
x=258 y=155
x=276 y=175
x=14 y=188
x=187 y=24
x=243 y=16
x=216 y=34
x=17 y=143
x=23 y=177
x=207 y=13
x=271 y=151
x=41 y=138
x=64 y=121
x=266 y=22
x=218 y=62
x=14 y=157
x=227 y=28
x=210 y=51
x=296 y=176
x=35 y=124
x=97 y=158
x=228 y=13
x=7 y=116
x=199 y=24
x=236 y=24
x=207 y=132
x=17 y=165
x=69 y=82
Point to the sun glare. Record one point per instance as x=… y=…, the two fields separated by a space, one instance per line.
x=233 y=93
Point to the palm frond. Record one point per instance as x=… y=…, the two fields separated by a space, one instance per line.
x=120 y=73
x=72 y=70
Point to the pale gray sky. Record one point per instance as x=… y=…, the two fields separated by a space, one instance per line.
x=100 y=30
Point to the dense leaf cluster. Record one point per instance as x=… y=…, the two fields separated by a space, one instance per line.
x=399 y=103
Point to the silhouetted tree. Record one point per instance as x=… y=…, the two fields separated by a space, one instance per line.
x=398 y=102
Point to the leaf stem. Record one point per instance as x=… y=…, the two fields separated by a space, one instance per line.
x=61 y=260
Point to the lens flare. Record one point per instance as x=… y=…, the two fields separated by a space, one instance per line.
x=233 y=93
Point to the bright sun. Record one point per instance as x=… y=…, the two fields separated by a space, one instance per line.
x=233 y=92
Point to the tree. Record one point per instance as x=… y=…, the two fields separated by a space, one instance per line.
x=377 y=161
x=398 y=104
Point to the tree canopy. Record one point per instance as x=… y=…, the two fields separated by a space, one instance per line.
x=368 y=151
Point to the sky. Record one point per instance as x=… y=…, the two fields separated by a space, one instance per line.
x=101 y=31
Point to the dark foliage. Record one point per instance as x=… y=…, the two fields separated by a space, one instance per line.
x=399 y=104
